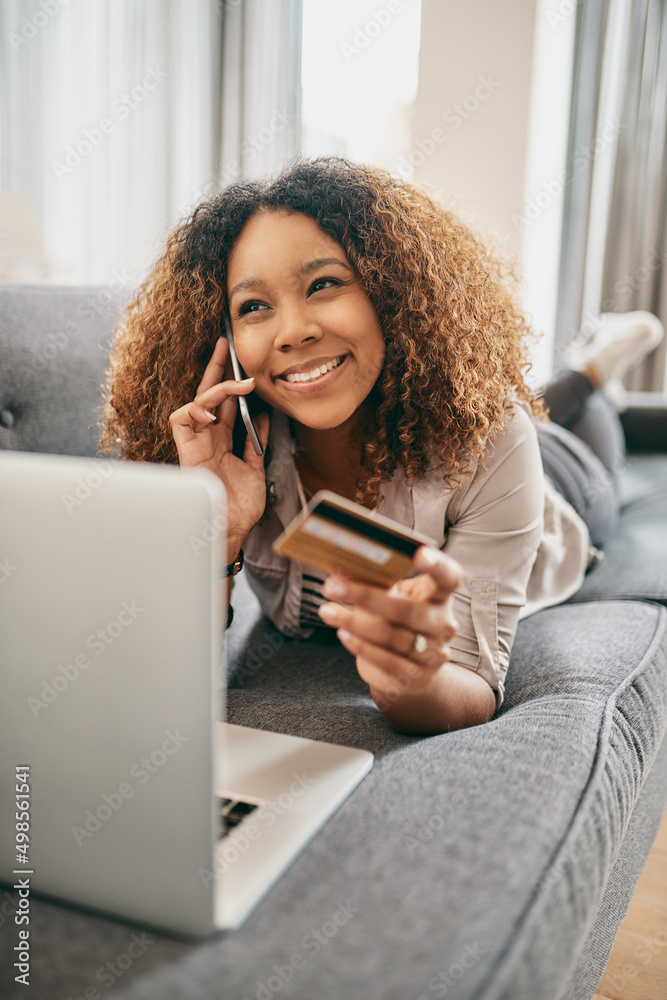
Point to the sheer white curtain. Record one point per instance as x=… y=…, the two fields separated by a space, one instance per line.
x=116 y=117
x=614 y=248
x=635 y=266
x=261 y=64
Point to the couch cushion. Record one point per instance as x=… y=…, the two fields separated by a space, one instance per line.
x=498 y=841
x=54 y=345
x=470 y=864
x=635 y=563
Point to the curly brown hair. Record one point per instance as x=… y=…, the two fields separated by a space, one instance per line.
x=456 y=338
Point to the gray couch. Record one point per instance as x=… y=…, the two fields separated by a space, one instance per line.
x=491 y=863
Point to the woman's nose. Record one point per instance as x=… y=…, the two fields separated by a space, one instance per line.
x=296 y=328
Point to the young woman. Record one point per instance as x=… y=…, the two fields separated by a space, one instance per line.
x=385 y=356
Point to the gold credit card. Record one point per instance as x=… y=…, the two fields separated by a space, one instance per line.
x=336 y=535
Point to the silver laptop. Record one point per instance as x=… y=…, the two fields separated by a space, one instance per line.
x=120 y=789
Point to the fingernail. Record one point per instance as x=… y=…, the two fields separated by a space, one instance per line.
x=429 y=556
x=212 y=416
x=334 y=587
x=244 y=380
x=344 y=635
x=328 y=612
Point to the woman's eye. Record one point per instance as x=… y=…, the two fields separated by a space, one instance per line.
x=323 y=283
x=250 y=306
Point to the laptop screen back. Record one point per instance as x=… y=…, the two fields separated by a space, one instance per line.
x=110 y=625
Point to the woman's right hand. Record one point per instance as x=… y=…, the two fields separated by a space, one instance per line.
x=202 y=431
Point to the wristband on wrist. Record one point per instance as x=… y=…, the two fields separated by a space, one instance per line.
x=234 y=567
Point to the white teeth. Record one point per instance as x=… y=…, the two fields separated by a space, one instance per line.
x=315 y=373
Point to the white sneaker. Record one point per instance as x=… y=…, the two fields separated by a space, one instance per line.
x=617 y=394
x=621 y=341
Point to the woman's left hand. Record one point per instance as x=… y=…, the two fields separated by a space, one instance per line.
x=398 y=636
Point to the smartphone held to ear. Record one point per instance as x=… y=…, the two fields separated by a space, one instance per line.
x=243 y=404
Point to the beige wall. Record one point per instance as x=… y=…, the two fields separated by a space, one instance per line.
x=470 y=122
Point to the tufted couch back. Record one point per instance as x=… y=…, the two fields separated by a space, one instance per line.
x=51 y=339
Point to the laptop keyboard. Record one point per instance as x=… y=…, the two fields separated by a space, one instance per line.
x=231 y=812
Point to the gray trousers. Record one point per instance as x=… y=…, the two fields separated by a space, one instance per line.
x=583 y=450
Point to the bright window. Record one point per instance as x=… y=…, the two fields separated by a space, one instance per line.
x=359 y=77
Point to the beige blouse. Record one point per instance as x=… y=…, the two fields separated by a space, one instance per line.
x=522 y=547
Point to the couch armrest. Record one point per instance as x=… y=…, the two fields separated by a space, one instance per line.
x=645 y=422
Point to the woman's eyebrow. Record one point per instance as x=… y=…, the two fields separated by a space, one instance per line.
x=315 y=265
x=242 y=285
x=300 y=271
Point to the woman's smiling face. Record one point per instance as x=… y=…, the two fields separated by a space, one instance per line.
x=303 y=325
